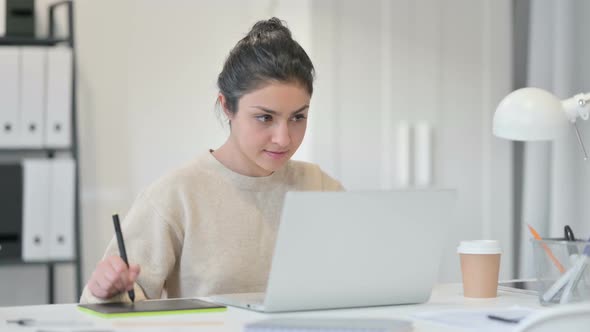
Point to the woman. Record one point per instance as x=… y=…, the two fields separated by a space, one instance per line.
x=210 y=226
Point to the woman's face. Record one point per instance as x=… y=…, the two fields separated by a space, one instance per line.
x=269 y=126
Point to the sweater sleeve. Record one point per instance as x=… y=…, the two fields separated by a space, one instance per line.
x=330 y=184
x=151 y=241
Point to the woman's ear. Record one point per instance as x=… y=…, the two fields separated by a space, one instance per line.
x=223 y=103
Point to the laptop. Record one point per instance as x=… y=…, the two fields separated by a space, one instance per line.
x=353 y=249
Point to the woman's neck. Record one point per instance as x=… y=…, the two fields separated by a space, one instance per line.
x=233 y=158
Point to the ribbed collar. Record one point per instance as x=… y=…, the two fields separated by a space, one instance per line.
x=251 y=183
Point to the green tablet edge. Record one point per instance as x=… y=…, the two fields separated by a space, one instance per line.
x=150 y=313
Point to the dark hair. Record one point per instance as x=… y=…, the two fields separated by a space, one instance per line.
x=267 y=53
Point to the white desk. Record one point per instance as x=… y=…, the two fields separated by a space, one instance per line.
x=444 y=297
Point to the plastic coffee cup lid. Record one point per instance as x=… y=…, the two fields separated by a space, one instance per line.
x=479 y=247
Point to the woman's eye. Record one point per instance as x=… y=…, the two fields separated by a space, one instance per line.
x=264 y=118
x=299 y=117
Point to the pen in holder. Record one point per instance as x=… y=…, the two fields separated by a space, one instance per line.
x=567 y=285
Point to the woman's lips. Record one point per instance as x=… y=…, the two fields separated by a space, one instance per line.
x=276 y=154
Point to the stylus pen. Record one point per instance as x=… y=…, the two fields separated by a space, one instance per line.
x=122 y=250
x=506 y=319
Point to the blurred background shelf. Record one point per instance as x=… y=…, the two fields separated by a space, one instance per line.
x=56 y=144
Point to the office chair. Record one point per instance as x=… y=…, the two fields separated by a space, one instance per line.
x=564 y=318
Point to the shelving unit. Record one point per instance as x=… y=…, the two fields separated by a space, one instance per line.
x=71 y=151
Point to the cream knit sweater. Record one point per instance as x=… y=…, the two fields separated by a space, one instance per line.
x=204 y=229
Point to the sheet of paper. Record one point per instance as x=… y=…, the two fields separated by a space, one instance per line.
x=476 y=319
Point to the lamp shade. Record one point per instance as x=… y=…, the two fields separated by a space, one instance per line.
x=530 y=114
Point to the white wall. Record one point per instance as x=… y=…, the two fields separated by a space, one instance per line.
x=381 y=63
x=147 y=72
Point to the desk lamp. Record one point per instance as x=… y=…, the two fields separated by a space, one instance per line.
x=532 y=114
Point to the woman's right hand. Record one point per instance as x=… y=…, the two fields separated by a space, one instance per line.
x=111 y=277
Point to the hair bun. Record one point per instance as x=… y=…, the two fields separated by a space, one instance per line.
x=268 y=30
x=266 y=54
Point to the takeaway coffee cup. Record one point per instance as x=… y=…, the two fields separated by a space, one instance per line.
x=480 y=266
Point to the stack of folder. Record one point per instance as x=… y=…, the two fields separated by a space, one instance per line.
x=38 y=201
x=35 y=97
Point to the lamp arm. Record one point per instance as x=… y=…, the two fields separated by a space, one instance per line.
x=577 y=106
x=574 y=107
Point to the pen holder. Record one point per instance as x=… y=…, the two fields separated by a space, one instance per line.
x=563 y=271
